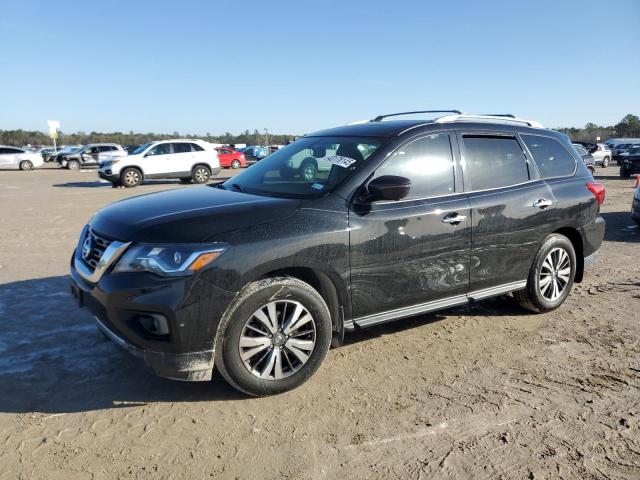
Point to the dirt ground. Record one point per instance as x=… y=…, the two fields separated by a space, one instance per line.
x=484 y=391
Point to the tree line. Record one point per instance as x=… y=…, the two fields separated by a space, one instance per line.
x=629 y=126
x=37 y=138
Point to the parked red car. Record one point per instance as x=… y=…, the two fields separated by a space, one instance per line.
x=230 y=158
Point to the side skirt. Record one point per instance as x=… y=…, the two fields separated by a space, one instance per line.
x=391 y=315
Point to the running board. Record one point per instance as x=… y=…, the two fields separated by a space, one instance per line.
x=398 y=313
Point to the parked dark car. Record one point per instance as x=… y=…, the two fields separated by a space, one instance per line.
x=587 y=158
x=254 y=154
x=630 y=163
x=259 y=275
x=90 y=155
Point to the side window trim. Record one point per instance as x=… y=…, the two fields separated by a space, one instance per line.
x=532 y=168
x=455 y=154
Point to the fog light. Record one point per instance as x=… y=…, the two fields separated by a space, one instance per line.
x=154 y=323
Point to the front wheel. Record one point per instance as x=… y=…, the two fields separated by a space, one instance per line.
x=605 y=162
x=130 y=177
x=73 y=165
x=200 y=174
x=26 y=165
x=551 y=275
x=273 y=337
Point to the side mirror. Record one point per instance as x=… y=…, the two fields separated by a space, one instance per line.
x=388 y=187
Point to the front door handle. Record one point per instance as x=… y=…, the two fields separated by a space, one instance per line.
x=453 y=219
x=542 y=203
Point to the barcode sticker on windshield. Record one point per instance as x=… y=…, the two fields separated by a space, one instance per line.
x=344 y=162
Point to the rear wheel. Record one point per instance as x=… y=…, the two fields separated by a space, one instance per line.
x=235 y=164
x=551 y=275
x=26 y=165
x=200 y=174
x=273 y=337
x=605 y=162
x=130 y=177
x=73 y=165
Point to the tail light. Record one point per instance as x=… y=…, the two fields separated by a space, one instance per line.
x=598 y=191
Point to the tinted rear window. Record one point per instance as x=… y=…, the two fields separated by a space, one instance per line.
x=493 y=162
x=181 y=148
x=552 y=159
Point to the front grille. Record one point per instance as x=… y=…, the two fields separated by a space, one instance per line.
x=93 y=247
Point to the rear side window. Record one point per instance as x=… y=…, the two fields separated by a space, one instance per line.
x=427 y=162
x=196 y=148
x=552 y=158
x=493 y=162
x=181 y=148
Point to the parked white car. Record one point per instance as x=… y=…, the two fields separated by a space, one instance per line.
x=188 y=160
x=14 y=157
x=602 y=155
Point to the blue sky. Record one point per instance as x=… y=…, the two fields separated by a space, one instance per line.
x=298 y=66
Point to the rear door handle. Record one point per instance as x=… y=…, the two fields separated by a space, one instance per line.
x=453 y=219
x=542 y=203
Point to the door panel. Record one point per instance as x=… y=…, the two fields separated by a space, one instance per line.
x=507 y=232
x=403 y=254
x=508 y=222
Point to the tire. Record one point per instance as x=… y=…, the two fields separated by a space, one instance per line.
x=235 y=164
x=605 y=162
x=200 y=174
x=130 y=177
x=243 y=370
x=549 y=263
x=625 y=173
x=26 y=165
x=308 y=170
x=73 y=164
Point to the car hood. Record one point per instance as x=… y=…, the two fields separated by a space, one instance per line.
x=188 y=215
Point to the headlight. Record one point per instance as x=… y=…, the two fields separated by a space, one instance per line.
x=173 y=260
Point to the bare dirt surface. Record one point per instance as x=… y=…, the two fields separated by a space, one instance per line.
x=485 y=391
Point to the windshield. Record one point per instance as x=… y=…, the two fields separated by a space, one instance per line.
x=309 y=167
x=141 y=148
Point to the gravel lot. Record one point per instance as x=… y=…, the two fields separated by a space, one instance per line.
x=485 y=391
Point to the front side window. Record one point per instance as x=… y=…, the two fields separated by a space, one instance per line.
x=552 y=158
x=306 y=168
x=161 y=149
x=493 y=162
x=427 y=162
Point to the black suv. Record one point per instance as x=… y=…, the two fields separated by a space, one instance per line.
x=259 y=275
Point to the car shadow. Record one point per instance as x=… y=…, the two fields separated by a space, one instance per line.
x=620 y=227
x=54 y=360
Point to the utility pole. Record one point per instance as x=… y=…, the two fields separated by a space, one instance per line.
x=266 y=137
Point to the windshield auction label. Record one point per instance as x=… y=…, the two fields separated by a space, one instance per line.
x=344 y=162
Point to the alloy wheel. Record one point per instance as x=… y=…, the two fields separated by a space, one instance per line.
x=554 y=274
x=202 y=175
x=131 y=177
x=277 y=340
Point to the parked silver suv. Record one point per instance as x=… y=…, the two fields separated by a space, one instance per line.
x=602 y=155
x=90 y=155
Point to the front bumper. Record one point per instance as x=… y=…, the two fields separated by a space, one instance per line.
x=109 y=175
x=191 y=306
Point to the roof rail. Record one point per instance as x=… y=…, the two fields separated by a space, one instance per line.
x=380 y=117
x=506 y=117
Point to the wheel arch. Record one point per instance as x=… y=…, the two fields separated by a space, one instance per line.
x=334 y=297
x=576 y=240
x=132 y=166
x=202 y=164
